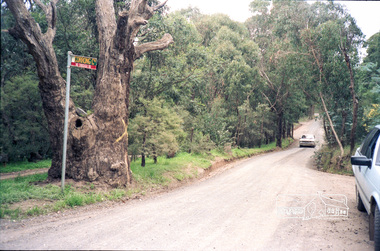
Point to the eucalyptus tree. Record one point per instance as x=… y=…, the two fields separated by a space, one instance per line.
x=321 y=54
x=368 y=79
x=369 y=94
x=373 y=49
x=279 y=70
x=171 y=72
x=231 y=74
x=277 y=32
x=351 y=38
x=97 y=144
x=256 y=125
x=209 y=25
x=176 y=76
x=333 y=39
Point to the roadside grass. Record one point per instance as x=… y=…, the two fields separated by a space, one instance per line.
x=246 y=152
x=31 y=195
x=185 y=166
x=327 y=159
x=237 y=153
x=24 y=188
x=25 y=165
x=48 y=197
x=182 y=166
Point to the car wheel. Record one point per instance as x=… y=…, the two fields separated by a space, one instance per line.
x=377 y=229
x=359 y=202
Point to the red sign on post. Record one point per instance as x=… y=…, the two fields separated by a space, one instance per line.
x=84 y=62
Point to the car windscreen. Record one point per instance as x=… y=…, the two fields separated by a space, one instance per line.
x=377 y=158
x=307 y=136
x=369 y=143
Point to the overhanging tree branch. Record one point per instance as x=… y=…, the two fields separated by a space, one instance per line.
x=157 y=7
x=160 y=44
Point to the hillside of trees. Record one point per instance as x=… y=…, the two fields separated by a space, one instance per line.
x=220 y=83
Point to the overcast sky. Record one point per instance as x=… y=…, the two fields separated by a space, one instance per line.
x=366 y=13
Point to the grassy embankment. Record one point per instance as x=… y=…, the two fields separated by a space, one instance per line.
x=30 y=195
x=327 y=160
x=21 y=166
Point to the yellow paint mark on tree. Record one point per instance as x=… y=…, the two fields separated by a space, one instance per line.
x=125 y=132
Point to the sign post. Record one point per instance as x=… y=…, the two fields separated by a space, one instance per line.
x=76 y=61
x=65 y=127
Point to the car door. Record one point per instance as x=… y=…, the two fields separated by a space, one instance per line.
x=372 y=175
x=365 y=174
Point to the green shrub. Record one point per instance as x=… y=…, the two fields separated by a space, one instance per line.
x=75 y=199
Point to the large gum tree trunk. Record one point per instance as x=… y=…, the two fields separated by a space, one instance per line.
x=97 y=144
x=51 y=84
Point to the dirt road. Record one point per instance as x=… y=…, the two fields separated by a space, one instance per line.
x=235 y=210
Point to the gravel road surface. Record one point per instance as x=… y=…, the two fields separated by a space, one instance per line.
x=242 y=208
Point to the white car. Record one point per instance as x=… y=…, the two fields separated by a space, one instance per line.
x=307 y=140
x=366 y=167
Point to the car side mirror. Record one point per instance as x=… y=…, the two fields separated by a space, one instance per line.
x=361 y=161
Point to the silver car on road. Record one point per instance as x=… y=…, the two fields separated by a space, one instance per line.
x=307 y=140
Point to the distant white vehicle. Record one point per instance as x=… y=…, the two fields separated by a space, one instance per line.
x=307 y=140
